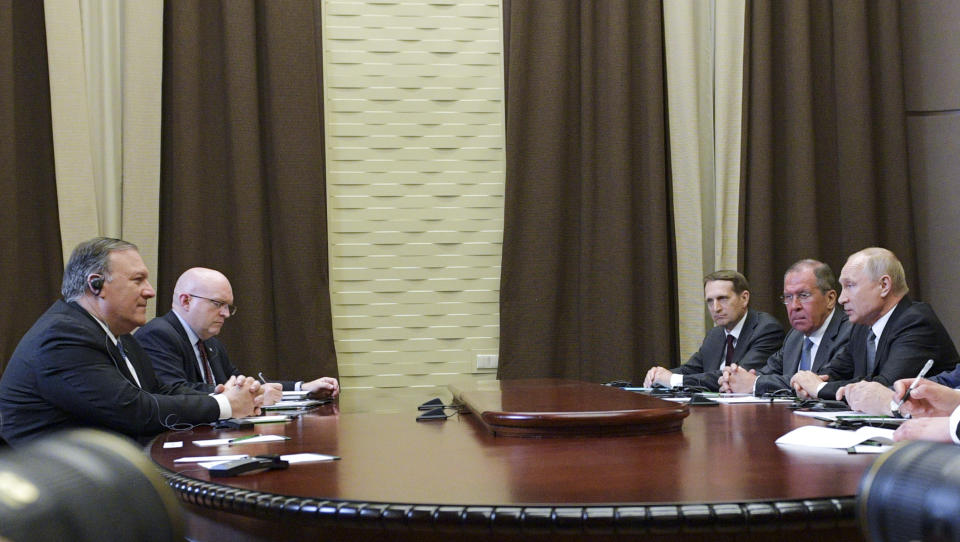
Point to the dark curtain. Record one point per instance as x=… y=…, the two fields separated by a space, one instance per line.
x=825 y=158
x=588 y=289
x=242 y=175
x=30 y=255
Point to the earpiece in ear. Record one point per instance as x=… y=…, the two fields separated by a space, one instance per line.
x=96 y=283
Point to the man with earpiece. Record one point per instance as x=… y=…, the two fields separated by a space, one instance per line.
x=79 y=366
x=183 y=346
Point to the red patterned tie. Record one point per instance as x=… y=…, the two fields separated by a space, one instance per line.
x=207 y=371
x=729 y=358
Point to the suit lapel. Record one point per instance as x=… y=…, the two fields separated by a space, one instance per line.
x=884 y=344
x=744 y=339
x=193 y=369
x=825 y=349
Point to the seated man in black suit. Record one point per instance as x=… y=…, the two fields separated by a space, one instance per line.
x=819 y=331
x=79 y=366
x=183 y=346
x=741 y=336
x=892 y=337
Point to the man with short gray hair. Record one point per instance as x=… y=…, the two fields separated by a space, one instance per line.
x=892 y=337
x=79 y=366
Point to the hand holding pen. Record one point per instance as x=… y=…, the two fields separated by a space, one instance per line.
x=913 y=385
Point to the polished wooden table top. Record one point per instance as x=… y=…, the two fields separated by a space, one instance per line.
x=552 y=407
x=723 y=454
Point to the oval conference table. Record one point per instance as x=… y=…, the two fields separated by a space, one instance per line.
x=700 y=473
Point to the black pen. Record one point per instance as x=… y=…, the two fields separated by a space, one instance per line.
x=906 y=395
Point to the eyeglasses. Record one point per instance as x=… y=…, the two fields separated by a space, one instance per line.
x=218 y=304
x=803 y=297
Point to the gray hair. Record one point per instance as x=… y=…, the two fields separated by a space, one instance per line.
x=879 y=262
x=89 y=258
x=826 y=280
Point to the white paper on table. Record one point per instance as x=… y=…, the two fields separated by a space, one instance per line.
x=825 y=437
x=227 y=441
x=173 y=444
x=217 y=458
x=832 y=416
x=307 y=458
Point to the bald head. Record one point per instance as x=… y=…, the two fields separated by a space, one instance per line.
x=202 y=297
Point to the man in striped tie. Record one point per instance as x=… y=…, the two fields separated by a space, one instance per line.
x=892 y=337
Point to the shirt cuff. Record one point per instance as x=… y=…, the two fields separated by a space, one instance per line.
x=820 y=387
x=676 y=381
x=954 y=420
x=226 y=411
x=296 y=387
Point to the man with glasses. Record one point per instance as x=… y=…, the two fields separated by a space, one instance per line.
x=183 y=346
x=818 y=333
x=78 y=366
x=741 y=336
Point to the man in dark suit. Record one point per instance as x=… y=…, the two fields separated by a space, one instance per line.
x=741 y=336
x=818 y=332
x=892 y=338
x=183 y=346
x=79 y=366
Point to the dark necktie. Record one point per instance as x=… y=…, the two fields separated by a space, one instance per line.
x=871 y=353
x=805 y=362
x=207 y=371
x=729 y=358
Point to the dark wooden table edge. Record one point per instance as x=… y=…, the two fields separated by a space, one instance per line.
x=625 y=518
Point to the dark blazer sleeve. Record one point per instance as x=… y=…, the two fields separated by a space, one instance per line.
x=77 y=374
x=783 y=365
x=709 y=355
x=760 y=337
x=763 y=341
x=224 y=369
x=913 y=335
x=171 y=353
x=772 y=377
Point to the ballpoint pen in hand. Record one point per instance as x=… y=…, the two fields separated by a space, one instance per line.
x=916 y=381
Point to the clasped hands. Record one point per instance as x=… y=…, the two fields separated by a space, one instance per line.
x=736 y=379
x=245 y=393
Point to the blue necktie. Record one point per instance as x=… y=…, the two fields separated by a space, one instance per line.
x=871 y=353
x=805 y=362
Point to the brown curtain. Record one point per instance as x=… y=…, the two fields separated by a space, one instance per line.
x=825 y=167
x=588 y=287
x=30 y=257
x=242 y=175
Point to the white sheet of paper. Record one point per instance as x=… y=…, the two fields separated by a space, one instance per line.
x=826 y=437
x=173 y=444
x=828 y=415
x=307 y=458
x=216 y=458
x=226 y=441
